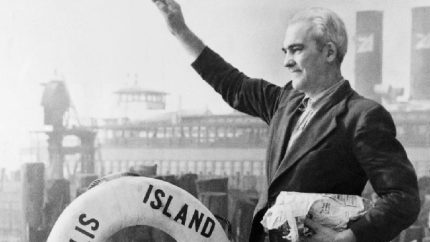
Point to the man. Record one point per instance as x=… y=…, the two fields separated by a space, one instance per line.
x=324 y=137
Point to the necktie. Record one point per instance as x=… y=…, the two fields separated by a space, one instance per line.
x=305 y=117
x=293 y=123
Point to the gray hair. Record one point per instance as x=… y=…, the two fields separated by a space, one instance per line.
x=327 y=27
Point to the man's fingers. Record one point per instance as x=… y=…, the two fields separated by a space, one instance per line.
x=165 y=2
x=157 y=2
x=173 y=3
x=312 y=225
x=171 y=11
x=161 y=4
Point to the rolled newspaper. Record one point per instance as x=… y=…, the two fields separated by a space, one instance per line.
x=335 y=211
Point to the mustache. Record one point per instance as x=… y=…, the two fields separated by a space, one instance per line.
x=294 y=69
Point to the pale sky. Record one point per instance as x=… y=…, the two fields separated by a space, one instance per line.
x=95 y=44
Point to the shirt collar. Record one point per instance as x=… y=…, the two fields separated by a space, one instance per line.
x=317 y=101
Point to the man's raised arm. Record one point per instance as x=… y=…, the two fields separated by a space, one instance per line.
x=255 y=97
x=172 y=13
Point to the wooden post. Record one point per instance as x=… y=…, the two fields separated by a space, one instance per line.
x=213 y=193
x=32 y=198
x=83 y=181
x=57 y=197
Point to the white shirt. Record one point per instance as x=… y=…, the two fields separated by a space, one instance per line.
x=313 y=105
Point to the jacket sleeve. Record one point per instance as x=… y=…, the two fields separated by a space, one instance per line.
x=391 y=174
x=255 y=97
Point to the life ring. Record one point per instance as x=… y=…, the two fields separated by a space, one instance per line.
x=128 y=201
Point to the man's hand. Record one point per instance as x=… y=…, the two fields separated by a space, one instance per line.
x=172 y=13
x=324 y=234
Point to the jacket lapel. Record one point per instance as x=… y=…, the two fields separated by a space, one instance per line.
x=283 y=134
x=320 y=126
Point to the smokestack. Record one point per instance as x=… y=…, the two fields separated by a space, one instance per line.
x=368 y=58
x=420 y=53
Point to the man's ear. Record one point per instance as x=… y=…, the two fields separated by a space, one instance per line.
x=331 y=52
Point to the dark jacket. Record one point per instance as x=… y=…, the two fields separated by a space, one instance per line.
x=349 y=141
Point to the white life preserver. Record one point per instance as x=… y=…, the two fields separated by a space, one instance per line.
x=128 y=201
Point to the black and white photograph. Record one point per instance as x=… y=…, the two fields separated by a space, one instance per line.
x=215 y=121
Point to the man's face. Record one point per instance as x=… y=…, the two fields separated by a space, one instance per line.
x=302 y=57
